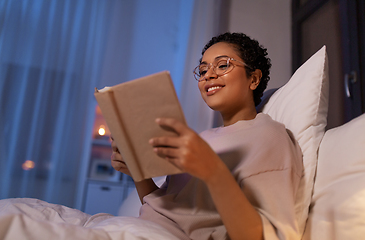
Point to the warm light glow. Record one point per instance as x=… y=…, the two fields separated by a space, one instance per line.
x=101 y=130
x=28 y=165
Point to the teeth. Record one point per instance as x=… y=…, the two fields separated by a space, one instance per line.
x=213 y=88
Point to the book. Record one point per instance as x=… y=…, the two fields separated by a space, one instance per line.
x=130 y=110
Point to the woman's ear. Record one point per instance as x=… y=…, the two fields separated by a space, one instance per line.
x=255 y=79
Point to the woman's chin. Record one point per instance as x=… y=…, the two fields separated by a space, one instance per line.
x=215 y=107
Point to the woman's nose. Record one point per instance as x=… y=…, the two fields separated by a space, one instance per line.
x=210 y=74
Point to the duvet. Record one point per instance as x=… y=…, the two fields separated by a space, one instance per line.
x=26 y=218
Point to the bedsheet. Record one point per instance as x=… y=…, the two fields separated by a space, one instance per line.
x=27 y=218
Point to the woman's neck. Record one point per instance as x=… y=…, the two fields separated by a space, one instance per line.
x=245 y=114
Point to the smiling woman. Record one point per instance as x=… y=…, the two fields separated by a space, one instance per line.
x=226 y=88
x=240 y=179
x=229 y=93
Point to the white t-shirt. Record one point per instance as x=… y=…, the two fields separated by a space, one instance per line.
x=266 y=163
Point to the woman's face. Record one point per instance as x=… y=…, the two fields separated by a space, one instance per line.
x=229 y=93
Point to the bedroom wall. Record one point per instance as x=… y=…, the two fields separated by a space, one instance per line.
x=269 y=22
x=146 y=37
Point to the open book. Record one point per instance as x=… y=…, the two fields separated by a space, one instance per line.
x=130 y=110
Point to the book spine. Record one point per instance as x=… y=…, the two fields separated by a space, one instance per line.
x=182 y=117
x=114 y=121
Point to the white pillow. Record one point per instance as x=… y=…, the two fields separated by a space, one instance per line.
x=302 y=105
x=338 y=210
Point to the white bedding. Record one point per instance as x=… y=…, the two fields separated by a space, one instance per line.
x=26 y=218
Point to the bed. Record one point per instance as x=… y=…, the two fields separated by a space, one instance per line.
x=27 y=218
x=323 y=212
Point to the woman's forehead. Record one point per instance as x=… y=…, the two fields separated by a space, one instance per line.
x=218 y=50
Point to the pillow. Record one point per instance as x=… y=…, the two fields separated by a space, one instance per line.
x=302 y=106
x=338 y=210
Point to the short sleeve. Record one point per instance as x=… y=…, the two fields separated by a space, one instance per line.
x=272 y=193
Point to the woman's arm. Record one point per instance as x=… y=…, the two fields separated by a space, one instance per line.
x=144 y=187
x=238 y=215
x=193 y=155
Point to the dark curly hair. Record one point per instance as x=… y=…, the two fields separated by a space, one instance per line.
x=252 y=53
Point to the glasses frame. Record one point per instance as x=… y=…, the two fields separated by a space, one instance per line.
x=210 y=65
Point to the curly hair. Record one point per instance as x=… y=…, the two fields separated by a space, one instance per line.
x=252 y=53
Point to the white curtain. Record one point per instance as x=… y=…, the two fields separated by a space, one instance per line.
x=208 y=20
x=52 y=55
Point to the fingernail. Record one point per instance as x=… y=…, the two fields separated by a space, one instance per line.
x=158 y=120
x=150 y=141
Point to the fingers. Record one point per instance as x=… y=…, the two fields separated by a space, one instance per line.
x=165 y=142
x=166 y=152
x=118 y=163
x=166 y=146
x=114 y=146
x=174 y=124
x=121 y=167
x=173 y=147
x=115 y=149
x=117 y=160
x=116 y=156
x=168 y=141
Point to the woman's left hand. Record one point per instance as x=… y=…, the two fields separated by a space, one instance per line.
x=193 y=155
x=188 y=151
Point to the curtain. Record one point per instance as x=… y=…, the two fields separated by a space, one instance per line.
x=164 y=35
x=208 y=20
x=50 y=57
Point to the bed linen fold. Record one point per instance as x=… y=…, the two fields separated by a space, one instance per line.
x=33 y=219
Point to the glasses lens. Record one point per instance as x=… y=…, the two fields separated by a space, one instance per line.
x=203 y=69
x=200 y=71
x=223 y=66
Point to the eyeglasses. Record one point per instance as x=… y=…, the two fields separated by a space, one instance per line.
x=221 y=67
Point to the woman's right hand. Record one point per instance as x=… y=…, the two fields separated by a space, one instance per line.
x=117 y=160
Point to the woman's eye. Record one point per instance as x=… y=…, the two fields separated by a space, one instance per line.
x=223 y=66
x=202 y=72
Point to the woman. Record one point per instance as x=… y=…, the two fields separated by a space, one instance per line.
x=241 y=179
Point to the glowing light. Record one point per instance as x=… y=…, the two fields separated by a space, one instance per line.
x=101 y=130
x=28 y=165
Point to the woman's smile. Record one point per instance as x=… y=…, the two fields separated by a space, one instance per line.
x=213 y=88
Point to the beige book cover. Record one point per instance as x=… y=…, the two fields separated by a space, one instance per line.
x=130 y=110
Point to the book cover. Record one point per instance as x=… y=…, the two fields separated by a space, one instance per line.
x=130 y=110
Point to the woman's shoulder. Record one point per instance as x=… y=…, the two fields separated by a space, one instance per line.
x=271 y=128
x=266 y=120
x=262 y=121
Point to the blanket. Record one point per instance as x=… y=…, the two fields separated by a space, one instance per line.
x=27 y=218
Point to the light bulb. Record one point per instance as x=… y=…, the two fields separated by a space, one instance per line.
x=28 y=165
x=101 y=130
